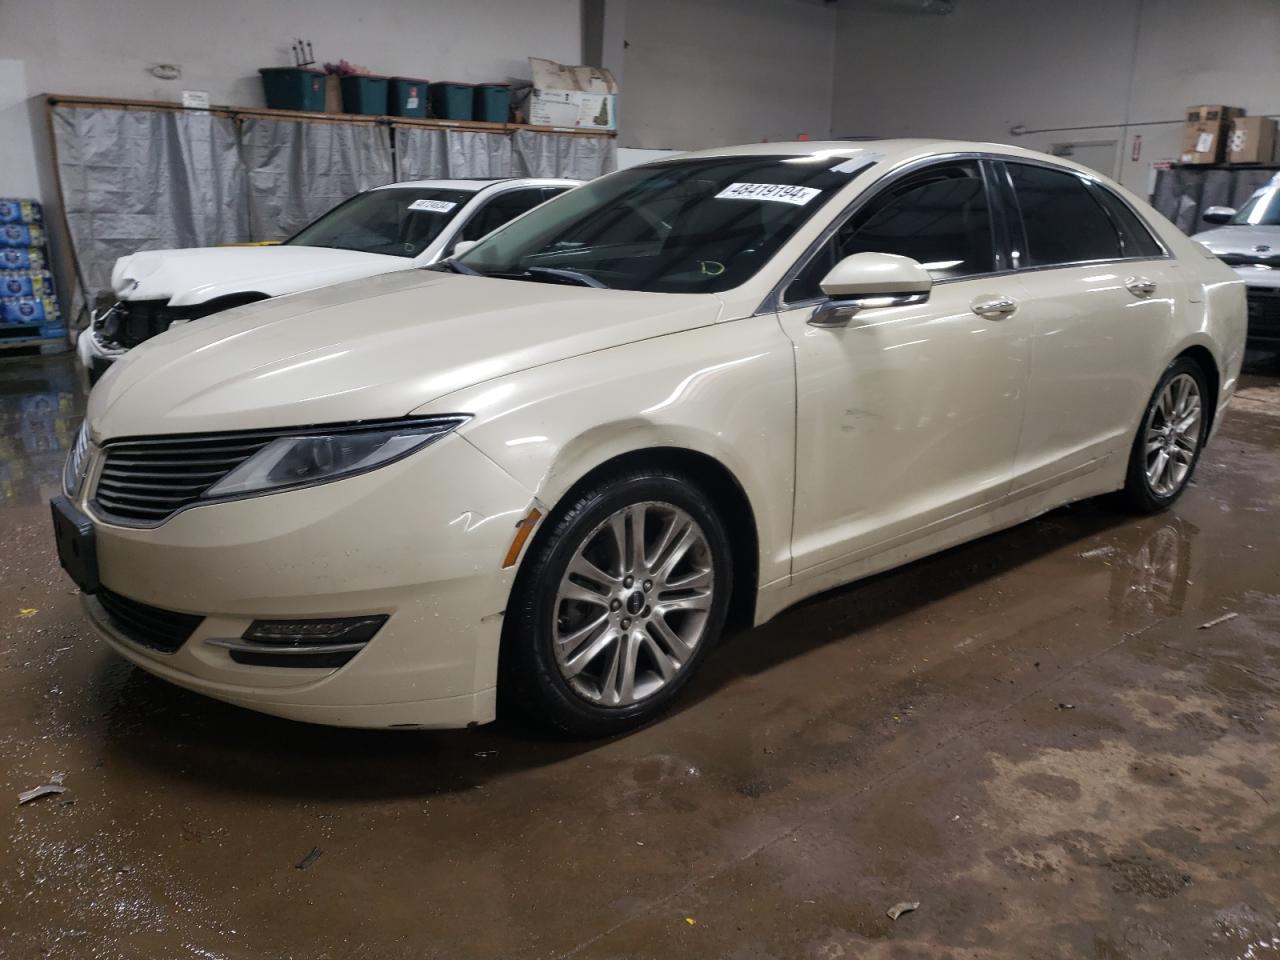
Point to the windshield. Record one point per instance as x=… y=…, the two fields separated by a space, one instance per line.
x=399 y=222
x=678 y=226
x=1261 y=210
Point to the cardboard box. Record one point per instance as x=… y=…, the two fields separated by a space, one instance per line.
x=584 y=97
x=1252 y=140
x=1205 y=132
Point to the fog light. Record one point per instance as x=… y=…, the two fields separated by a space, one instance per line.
x=308 y=633
x=301 y=643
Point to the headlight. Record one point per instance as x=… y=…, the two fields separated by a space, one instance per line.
x=74 y=469
x=307 y=459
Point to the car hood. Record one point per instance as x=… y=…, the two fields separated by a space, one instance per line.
x=377 y=348
x=192 y=276
x=1241 y=239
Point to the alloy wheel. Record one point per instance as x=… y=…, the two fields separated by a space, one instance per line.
x=633 y=604
x=1171 y=436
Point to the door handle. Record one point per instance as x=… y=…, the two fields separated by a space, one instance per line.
x=1140 y=286
x=995 y=308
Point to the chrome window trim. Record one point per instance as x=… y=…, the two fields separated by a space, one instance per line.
x=775 y=303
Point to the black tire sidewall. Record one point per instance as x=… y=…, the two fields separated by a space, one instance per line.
x=543 y=693
x=1137 y=486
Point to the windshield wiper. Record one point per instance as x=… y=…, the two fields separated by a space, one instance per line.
x=457 y=268
x=573 y=276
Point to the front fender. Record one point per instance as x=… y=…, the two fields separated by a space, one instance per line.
x=726 y=391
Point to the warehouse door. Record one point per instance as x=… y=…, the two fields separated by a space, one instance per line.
x=1097 y=155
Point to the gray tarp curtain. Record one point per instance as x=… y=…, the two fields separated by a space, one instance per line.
x=144 y=179
x=147 y=179
x=298 y=170
x=424 y=154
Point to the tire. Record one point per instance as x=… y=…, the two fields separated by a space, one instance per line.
x=1180 y=440
x=579 y=609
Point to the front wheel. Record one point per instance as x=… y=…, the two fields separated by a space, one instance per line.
x=1167 y=448
x=616 y=605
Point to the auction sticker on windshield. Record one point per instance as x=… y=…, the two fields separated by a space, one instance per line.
x=777 y=192
x=433 y=206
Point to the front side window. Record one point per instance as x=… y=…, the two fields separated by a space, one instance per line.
x=1063 y=221
x=398 y=221
x=700 y=225
x=939 y=217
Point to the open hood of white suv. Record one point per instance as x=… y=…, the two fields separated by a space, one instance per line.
x=378 y=348
x=197 y=275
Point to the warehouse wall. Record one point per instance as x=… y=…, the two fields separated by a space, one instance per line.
x=1109 y=67
x=699 y=73
x=92 y=47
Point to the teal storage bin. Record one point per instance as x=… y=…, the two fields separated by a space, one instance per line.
x=364 y=94
x=452 y=101
x=406 y=97
x=293 y=88
x=492 y=102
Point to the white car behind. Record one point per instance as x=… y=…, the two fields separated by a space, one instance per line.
x=400 y=226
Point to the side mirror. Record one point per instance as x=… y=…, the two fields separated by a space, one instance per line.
x=1218 y=214
x=867 y=280
x=462 y=246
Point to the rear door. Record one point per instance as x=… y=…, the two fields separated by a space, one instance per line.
x=1099 y=295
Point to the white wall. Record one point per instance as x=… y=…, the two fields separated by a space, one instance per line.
x=700 y=73
x=105 y=47
x=1110 y=67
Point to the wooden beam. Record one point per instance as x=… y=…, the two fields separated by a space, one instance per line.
x=479 y=126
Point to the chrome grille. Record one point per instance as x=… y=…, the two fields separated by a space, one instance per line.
x=144 y=482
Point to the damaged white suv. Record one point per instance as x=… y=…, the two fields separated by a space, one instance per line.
x=396 y=227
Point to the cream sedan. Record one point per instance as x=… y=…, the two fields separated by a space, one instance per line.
x=546 y=474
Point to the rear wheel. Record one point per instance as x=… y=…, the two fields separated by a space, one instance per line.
x=617 y=604
x=1173 y=430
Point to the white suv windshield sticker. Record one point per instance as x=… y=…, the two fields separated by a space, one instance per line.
x=433 y=206
x=777 y=192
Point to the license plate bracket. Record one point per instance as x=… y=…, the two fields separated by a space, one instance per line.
x=77 y=543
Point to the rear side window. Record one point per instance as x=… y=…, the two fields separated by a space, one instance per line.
x=939 y=217
x=501 y=209
x=1135 y=239
x=1064 y=222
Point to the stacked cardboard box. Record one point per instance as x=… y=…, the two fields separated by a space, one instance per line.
x=28 y=305
x=1251 y=140
x=1205 y=133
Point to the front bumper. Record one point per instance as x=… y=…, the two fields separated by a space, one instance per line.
x=421 y=540
x=1264 y=316
x=95 y=356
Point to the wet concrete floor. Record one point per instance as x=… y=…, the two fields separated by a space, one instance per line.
x=1028 y=735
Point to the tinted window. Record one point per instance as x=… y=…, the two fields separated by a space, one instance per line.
x=1064 y=222
x=938 y=216
x=678 y=226
x=1135 y=239
x=504 y=208
x=399 y=221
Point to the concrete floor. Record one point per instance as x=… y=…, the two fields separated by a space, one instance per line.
x=1029 y=735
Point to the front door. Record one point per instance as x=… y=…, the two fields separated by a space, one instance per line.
x=908 y=418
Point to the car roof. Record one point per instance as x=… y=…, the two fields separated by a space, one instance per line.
x=892 y=151
x=475 y=186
